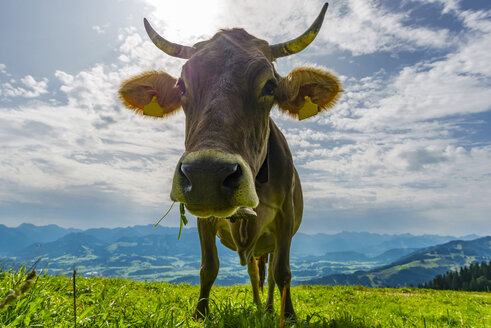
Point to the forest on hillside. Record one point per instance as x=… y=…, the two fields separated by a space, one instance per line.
x=475 y=277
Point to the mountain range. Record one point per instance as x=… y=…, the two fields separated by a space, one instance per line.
x=417 y=267
x=145 y=253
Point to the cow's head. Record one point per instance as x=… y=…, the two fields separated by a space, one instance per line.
x=227 y=89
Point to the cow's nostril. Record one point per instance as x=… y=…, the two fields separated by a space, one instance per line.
x=186 y=180
x=231 y=181
x=207 y=175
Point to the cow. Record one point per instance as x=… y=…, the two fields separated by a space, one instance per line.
x=237 y=174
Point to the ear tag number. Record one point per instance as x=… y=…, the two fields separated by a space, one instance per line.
x=153 y=108
x=309 y=109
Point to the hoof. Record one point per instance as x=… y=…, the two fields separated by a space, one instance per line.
x=200 y=314
x=291 y=317
x=269 y=308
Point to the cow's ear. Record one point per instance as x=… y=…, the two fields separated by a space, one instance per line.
x=137 y=93
x=305 y=91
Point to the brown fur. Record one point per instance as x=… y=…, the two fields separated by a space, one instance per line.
x=235 y=37
x=227 y=112
x=321 y=86
x=139 y=91
x=261 y=264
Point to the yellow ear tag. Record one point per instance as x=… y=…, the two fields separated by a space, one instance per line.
x=309 y=109
x=153 y=108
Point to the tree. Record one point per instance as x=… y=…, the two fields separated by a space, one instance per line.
x=476 y=277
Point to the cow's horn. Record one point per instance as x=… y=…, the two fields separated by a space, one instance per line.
x=172 y=49
x=298 y=44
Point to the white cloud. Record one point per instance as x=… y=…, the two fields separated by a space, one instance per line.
x=138 y=54
x=477 y=20
x=359 y=26
x=375 y=150
x=30 y=89
x=448 y=6
x=91 y=142
x=457 y=84
x=3 y=69
x=60 y=148
x=94 y=88
x=365 y=27
x=359 y=172
x=394 y=143
x=38 y=87
x=100 y=29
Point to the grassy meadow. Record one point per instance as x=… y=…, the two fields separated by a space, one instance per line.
x=112 y=302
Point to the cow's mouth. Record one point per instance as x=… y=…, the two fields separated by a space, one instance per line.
x=236 y=213
x=207 y=211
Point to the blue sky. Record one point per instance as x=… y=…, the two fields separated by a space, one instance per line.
x=407 y=148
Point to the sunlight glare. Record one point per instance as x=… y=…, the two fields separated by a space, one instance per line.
x=186 y=21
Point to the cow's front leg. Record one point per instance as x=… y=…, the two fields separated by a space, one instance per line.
x=271 y=284
x=209 y=264
x=282 y=273
x=253 y=271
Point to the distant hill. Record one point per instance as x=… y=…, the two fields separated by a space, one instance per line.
x=369 y=244
x=348 y=256
x=14 y=239
x=475 y=277
x=144 y=253
x=417 y=267
x=393 y=254
x=76 y=244
x=157 y=256
x=110 y=235
x=83 y=244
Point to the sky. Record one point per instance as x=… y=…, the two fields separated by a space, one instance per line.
x=407 y=149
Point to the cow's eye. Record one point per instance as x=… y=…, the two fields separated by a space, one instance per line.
x=269 y=88
x=181 y=86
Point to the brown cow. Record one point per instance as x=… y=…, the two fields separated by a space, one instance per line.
x=237 y=175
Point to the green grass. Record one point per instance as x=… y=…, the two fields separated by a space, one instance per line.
x=104 y=302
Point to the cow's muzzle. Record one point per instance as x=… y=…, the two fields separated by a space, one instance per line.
x=213 y=183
